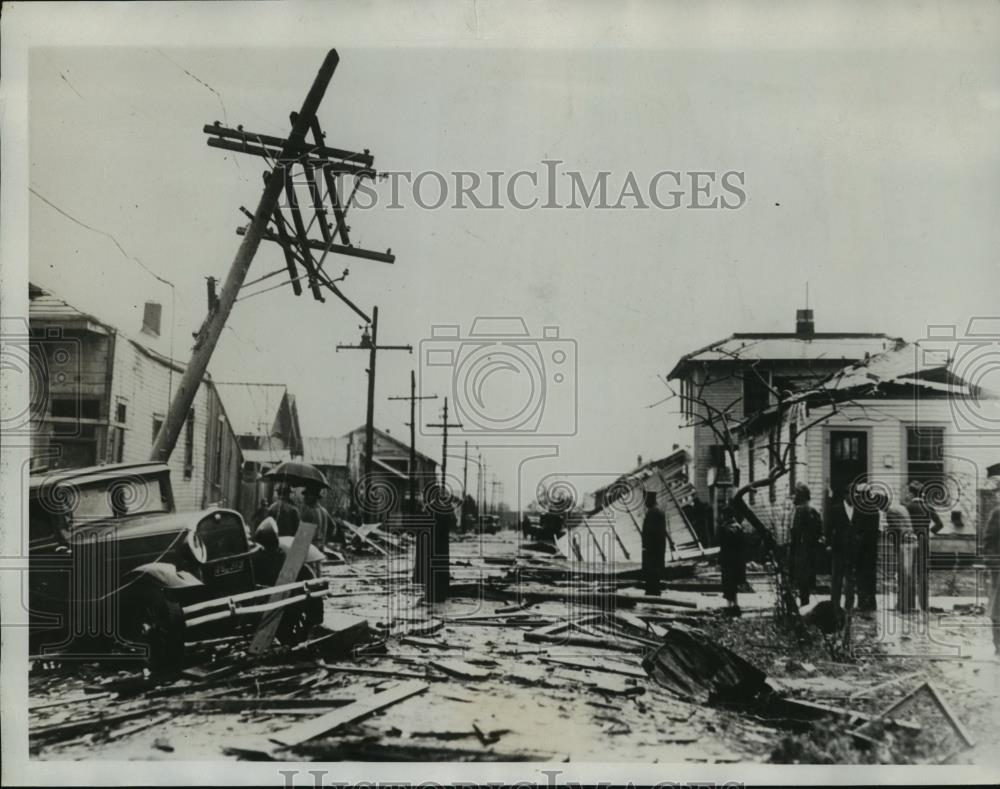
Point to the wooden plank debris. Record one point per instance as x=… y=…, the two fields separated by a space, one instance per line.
x=460 y=669
x=362 y=708
x=597 y=665
x=290 y=569
x=378 y=672
x=66 y=729
x=137 y=727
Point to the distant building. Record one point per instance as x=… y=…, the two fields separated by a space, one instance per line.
x=265 y=420
x=329 y=455
x=99 y=396
x=390 y=466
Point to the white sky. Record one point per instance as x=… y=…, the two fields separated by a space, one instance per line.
x=868 y=139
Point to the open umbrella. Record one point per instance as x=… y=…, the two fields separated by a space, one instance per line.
x=295 y=474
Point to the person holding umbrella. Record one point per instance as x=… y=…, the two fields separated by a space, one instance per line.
x=284 y=512
x=291 y=474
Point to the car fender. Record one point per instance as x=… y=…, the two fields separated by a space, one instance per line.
x=165 y=575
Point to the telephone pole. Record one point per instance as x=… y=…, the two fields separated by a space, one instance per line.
x=493 y=495
x=444 y=444
x=369 y=342
x=281 y=154
x=412 y=397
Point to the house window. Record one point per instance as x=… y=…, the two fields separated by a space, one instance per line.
x=189 y=445
x=116 y=444
x=756 y=394
x=157 y=424
x=924 y=453
x=76 y=408
x=121 y=412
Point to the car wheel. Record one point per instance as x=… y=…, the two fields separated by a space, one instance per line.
x=156 y=623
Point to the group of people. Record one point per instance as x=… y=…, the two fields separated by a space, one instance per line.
x=288 y=515
x=849 y=541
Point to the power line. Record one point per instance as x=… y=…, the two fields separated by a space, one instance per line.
x=104 y=233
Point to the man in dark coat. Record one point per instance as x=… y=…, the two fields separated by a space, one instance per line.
x=806 y=540
x=654 y=544
x=732 y=558
x=841 y=542
x=867 y=544
x=924 y=521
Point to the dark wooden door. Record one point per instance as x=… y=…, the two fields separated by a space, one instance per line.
x=848 y=459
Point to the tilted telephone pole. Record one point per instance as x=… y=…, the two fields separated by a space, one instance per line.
x=281 y=155
x=369 y=342
x=412 y=397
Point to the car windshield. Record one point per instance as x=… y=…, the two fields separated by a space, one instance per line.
x=118 y=498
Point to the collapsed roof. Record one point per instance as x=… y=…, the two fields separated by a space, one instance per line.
x=612 y=533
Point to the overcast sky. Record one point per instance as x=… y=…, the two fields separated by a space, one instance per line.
x=871 y=172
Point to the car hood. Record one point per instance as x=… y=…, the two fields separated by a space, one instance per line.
x=154 y=522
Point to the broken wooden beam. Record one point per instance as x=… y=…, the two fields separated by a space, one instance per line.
x=331 y=721
x=289 y=573
x=460 y=669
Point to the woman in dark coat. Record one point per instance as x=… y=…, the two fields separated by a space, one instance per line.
x=805 y=542
x=732 y=558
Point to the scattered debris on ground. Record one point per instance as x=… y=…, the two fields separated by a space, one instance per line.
x=529 y=646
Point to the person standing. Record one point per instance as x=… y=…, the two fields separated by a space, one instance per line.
x=867 y=534
x=284 y=512
x=654 y=545
x=924 y=521
x=902 y=545
x=732 y=558
x=806 y=541
x=841 y=545
x=991 y=552
x=314 y=512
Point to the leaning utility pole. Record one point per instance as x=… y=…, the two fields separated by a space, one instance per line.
x=444 y=443
x=412 y=397
x=370 y=343
x=281 y=155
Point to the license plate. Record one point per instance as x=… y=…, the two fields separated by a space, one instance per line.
x=230 y=567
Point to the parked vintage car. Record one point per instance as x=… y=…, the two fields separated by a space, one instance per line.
x=111 y=562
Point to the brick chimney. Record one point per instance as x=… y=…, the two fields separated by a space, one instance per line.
x=804 y=325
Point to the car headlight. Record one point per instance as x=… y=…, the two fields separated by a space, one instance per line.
x=196 y=546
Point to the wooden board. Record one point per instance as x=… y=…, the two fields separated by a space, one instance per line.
x=324 y=724
x=460 y=669
x=290 y=569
